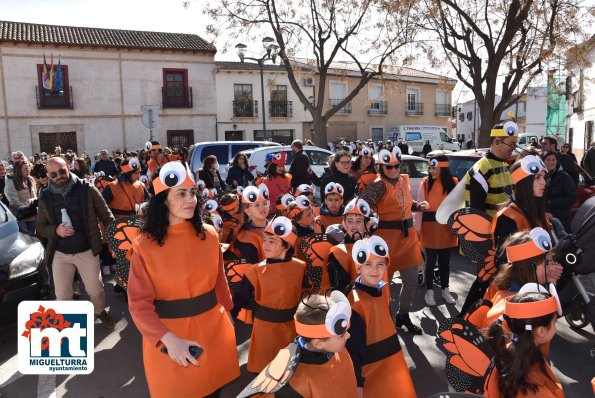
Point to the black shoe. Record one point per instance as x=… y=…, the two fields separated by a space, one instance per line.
x=403 y=321
x=106 y=320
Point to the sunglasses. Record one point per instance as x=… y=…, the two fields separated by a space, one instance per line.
x=390 y=167
x=54 y=174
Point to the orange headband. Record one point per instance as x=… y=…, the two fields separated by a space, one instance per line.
x=529 y=310
x=530 y=165
x=539 y=244
x=312 y=331
x=437 y=163
x=231 y=206
x=131 y=166
x=173 y=174
x=282 y=227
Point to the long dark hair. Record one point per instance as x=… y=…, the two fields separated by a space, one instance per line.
x=516 y=352
x=519 y=272
x=524 y=198
x=156 y=219
x=272 y=171
x=448 y=183
x=358 y=162
x=20 y=181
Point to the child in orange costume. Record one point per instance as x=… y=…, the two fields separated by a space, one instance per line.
x=378 y=360
x=276 y=287
x=316 y=364
x=331 y=211
x=308 y=192
x=301 y=214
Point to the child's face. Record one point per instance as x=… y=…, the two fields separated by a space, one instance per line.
x=333 y=202
x=257 y=212
x=373 y=271
x=307 y=218
x=331 y=344
x=354 y=223
x=273 y=246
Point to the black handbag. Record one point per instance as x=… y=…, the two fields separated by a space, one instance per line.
x=26 y=212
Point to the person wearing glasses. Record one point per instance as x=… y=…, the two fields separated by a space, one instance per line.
x=340 y=168
x=105 y=164
x=390 y=195
x=74 y=242
x=364 y=168
x=568 y=151
x=21 y=192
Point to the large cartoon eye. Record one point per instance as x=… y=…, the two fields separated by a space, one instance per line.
x=264 y=191
x=200 y=184
x=339 y=189
x=350 y=206
x=172 y=174
x=148 y=145
x=250 y=194
x=363 y=207
x=434 y=162
x=378 y=246
x=144 y=179
x=302 y=202
x=281 y=226
x=532 y=164
x=217 y=221
x=329 y=188
x=211 y=205
x=133 y=163
x=205 y=193
x=366 y=151
x=360 y=251
x=510 y=128
x=397 y=152
x=304 y=188
x=541 y=239
x=240 y=189
x=337 y=318
x=277 y=156
x=384 y=156
x=285 y=199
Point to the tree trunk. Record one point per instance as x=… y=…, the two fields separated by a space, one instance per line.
x=487 y=122
x=319 y=133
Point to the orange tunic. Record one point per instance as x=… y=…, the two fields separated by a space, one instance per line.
x=251 y=239
x=395 y=205
x=174 y=272
x=152 y=164
x=483 y=319
x=433 y=234
x=327 y=220
x=342 y=253
x=384 y=367
x=364 y=179
x=277 y=286
x=125 y=197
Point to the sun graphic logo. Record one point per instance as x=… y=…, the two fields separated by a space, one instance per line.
x=56 y=337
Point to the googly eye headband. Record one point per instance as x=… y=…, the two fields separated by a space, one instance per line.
x=144 y=179
x=285 y=200
x=357 y=206
x=132 y=165
x=508 y=129
x=333 y=187
x=539 y=244
x=211 y=206
x=283 y=228
x=304 y=188
x=531 y=165
x=279 y=158
x=200 y=184
x=254 y=194
x=149 y=146
x=217 y=221
x=365 y=151
x=173 y=174
x=534 y=309
x=369 y=249
x=302 y=203
x=209 y=193
x=389 y=157
x=232 y=205
x=438 y=163
x=336 y=321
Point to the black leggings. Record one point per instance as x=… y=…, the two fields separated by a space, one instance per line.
x=443 y=256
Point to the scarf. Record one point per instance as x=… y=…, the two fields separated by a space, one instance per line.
x=63 y=189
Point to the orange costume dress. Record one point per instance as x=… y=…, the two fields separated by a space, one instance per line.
x=125 y=197
x=396 y=223
x=248 y=243
x=433 y=234
x=277 y=293
x=379 y=362
x=364 y=178
x=171 y=289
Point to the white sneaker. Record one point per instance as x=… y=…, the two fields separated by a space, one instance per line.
x=105 y=270
x=429 y=298
x=448 y=297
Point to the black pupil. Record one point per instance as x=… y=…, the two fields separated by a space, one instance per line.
x=363 y=209
x=252 y=197
x=279 y=229
x=380 y=250
x=171 y=179
x=340 y=326
x=265 y=194
x=533 y=169
x=361 y=256
x=386 y=158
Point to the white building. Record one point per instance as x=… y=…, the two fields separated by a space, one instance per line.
x=239 y=104
x=536 y=110
x=581 y=101
x=107 y=75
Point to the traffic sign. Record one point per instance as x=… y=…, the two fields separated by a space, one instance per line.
x=150 y=118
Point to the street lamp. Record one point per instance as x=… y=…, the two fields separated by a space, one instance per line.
x=271 y=52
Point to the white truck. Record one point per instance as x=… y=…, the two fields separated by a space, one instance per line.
x=416 y=137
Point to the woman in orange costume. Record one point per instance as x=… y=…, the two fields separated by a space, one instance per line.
x=364 y=169
x=277 y=180
x=276 y=288
x=378 y=360
x=177 y=299
x=125 y=192
x=390 y=194
x=437 y=239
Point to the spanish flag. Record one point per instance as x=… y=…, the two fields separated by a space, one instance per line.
x=45 y=79
x=51 y=87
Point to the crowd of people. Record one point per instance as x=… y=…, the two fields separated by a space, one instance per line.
x=269 y=254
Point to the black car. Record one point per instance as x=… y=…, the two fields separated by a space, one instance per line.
x=21 y=259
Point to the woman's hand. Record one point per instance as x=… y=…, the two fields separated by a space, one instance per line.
x=177 y=349
x=423 y=206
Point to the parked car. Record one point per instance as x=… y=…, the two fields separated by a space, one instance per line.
x=20 y=258
x=525 y=139
x=224 y=150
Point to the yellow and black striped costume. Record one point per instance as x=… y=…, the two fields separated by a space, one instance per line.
x=488 y=184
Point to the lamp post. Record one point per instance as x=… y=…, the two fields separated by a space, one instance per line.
x=271 y=51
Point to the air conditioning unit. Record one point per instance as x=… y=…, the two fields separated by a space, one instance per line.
x=309 y=81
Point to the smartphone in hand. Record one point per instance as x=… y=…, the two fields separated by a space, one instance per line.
x=195 y=351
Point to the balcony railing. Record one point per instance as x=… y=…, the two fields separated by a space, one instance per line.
x=414 y=108
x=62 y=100
x=177 y=101
x=280 y=109
x=378 y=108
x=443 y=110
x=345 y=109
x=245 y=108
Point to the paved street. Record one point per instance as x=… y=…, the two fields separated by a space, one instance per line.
x=119 y=371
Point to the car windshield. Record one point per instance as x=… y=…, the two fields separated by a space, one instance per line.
x=415 y=168
x=459 y=166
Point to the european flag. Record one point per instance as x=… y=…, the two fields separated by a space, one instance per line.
x=58 y=81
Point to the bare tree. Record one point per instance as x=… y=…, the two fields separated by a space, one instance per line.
x=503 y=45
x=366 y=35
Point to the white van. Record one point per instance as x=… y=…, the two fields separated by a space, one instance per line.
x=416 y=137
